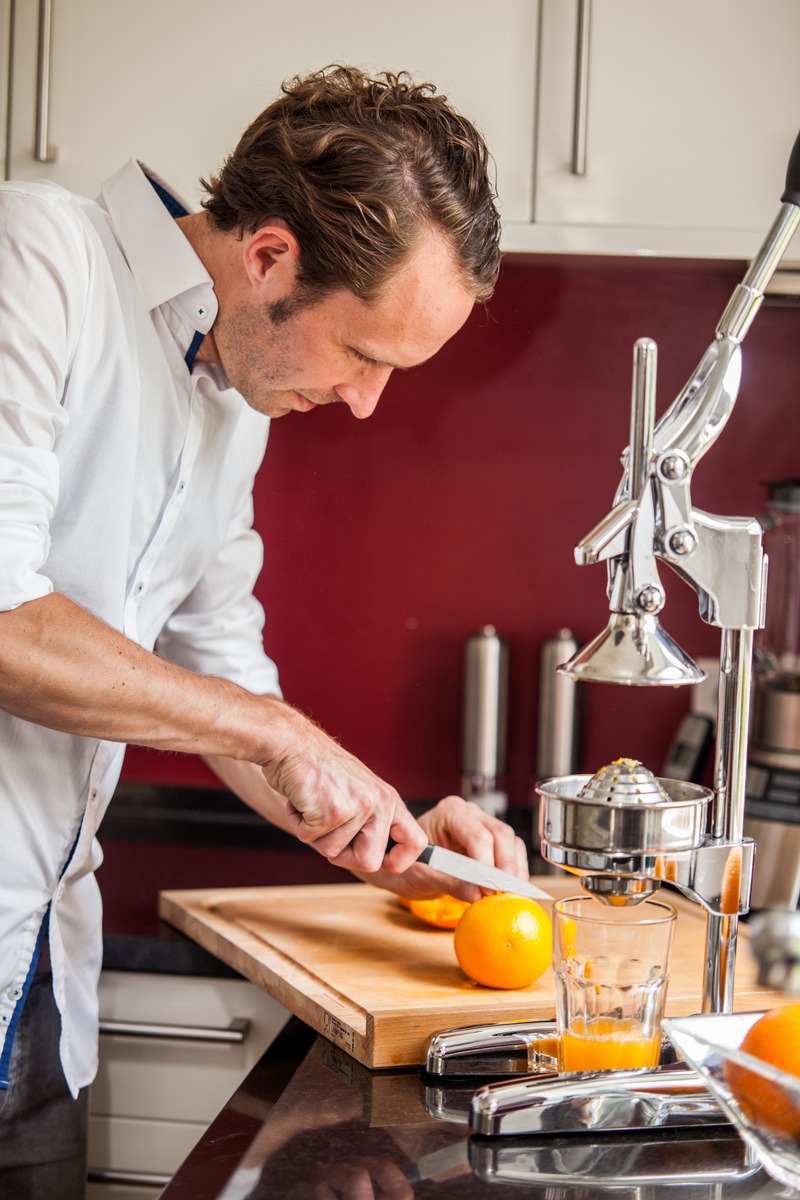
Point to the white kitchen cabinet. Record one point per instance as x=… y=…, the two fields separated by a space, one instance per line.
x=175 y=84
x=692 y=107
x=692 y=110
x=165 y=1071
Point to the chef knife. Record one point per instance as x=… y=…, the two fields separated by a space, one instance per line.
x=469 y=870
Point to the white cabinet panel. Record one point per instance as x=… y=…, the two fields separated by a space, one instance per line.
x=137 y=1145
x=693 y=108
x=175 y=84
x=101 y=1190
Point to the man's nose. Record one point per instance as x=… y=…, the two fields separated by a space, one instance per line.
x=363 y=393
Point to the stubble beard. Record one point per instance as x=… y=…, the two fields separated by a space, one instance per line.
x=254 y=343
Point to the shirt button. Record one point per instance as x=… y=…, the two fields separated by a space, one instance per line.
x=182 y=486
x=139 y=589
x=14 y=992
x=201 y=312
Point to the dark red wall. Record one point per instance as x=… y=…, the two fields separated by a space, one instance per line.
x=458 y=503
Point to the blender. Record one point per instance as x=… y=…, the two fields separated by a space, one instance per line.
x=772 y=812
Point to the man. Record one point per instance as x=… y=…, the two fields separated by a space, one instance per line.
x=143 y=350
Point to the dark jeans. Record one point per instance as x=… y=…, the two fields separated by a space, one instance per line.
x=42 y=1129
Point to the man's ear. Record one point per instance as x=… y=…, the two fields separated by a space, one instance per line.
x=271 y=257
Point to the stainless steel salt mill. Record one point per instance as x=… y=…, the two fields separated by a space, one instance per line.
x=485 y=720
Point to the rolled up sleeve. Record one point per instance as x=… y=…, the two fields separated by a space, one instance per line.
x=43 y=279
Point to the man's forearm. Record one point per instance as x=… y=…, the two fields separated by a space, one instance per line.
x=63 y=668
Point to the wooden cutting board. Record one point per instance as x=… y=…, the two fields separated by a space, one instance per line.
x=356 y=966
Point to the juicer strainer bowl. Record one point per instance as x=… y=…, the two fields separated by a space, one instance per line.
x=619 y=816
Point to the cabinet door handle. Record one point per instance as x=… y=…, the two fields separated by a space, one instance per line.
x=146 y=1179
x=42 y=151
x=236 y=1032
x=581 y=113
x=9 y=68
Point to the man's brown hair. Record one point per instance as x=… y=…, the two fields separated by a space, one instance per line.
x=356 y=166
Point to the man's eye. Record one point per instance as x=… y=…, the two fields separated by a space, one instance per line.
x=363 y=358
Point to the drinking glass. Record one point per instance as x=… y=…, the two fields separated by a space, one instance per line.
x=611 y=968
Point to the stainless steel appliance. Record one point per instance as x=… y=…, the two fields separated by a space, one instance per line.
x=485 y=720
x=559 y=709
x=624 y=834
x=772 y=812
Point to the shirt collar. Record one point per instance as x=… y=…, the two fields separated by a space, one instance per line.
x=161 y=259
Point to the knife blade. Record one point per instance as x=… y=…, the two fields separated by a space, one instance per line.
x=469 y=870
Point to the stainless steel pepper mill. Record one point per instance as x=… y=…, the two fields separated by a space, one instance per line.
x=485 y=720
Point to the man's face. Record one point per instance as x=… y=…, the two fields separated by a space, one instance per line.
x=340 y=350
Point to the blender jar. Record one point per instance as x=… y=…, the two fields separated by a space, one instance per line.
x=773 y=777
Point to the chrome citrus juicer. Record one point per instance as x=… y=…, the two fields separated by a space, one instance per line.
x=622 y=831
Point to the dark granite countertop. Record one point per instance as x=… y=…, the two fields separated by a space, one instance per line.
x=310 y=1123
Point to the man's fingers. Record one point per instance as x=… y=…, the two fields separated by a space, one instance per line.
x=360 y=845
x=410 y=840
x=463 y=826
x=362 y=850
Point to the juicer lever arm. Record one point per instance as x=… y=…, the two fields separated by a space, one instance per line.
x=696 y=418
x=694 y=421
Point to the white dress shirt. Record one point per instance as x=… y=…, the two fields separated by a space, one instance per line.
x=125 y=484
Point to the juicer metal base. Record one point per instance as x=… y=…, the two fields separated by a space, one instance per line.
x=542 y=1101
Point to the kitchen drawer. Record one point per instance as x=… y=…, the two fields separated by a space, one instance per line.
x=140 y=1146
x=164 y=1062
x=173 y=1049
x=102 y=1190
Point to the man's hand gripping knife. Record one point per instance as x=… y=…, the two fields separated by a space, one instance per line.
x=336 y=804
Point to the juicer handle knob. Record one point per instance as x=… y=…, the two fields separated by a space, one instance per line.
x=792 y=193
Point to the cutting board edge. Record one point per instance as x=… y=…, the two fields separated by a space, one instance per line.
x=348 y=1026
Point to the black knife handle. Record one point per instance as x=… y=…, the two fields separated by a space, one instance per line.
x=423 y=858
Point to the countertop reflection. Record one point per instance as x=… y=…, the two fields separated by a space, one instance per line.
x=310 y=1123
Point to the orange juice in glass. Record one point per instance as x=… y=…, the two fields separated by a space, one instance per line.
x=612 y=967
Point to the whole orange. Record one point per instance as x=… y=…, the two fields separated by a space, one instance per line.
x=504 y=941
x=775 y=1039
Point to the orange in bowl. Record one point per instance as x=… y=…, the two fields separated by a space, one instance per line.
x=775 y=1039
x=504 y=941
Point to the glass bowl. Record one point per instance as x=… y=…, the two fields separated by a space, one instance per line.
x=711 y=1041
